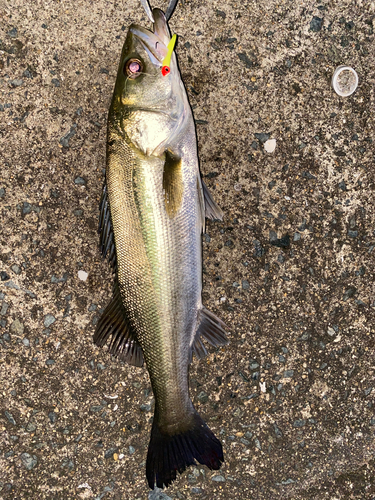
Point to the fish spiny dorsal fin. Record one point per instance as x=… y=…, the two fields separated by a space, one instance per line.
x=172 y=184
x=114 y=323
x=211 y=328
x=107 y=242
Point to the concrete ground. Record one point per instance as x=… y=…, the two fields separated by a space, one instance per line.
x=290 y=270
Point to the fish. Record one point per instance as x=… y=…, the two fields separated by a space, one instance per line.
x=152 y=216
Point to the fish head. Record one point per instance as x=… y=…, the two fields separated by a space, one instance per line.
x=141 y=83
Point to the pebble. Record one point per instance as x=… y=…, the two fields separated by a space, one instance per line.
x=17 y=327
x=131 y=450
x=29 y=461
x=16 y=83
x=13 y=32
x=262 y=137
x=30 y=427
x=52 y=417
x=16 y=269
x=316 y=24
x=278 y=432
x=4 y=276
x=299 y=423
x=82 y=275
x=26 y=342
x=288 y=374
x=350 y=292
x=157 y=494
x=64 y=141
x=270 y=145
x=203 y=397
x=110 y=452
x=26 y=208
x=50 y=362
x=80 y=181
x=12 y=285
x=63 y=279
x=245 y=285
x=49 y=319
x=218 y=478
x=10 y=417
x=197 y=491
x=4 y=308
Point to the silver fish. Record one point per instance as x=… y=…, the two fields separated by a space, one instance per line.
x=152 y=215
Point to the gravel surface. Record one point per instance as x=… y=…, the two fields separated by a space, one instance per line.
x=290 y=269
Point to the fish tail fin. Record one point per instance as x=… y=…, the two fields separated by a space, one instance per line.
x=168 y=454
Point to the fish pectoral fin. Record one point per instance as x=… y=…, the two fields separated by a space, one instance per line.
x=212 y=209
x=113 y=323
x=211 y=328
x=173 y=186
x=107 y=241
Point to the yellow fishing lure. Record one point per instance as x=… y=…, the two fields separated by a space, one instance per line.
x=167 y=59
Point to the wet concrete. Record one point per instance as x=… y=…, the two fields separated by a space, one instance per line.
x=290 y=270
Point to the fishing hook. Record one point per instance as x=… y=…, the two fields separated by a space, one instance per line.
x=168 y=12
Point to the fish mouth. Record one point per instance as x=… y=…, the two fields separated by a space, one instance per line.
x=155 y=43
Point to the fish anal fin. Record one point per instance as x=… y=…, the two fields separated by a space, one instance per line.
x=107 y=241
x=212 y=209
x=172 y=184
x=113 y=324
x=211 y=328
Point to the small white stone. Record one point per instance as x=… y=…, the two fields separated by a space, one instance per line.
x=84 y=485
x=121 y=456
x=82 y=275
x=270 y=145
x=262 y=386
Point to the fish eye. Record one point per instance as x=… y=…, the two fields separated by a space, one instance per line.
x=133 y=68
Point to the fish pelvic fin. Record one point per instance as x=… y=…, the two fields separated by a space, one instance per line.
x=211 y=328
x=169 y=454
x=114 y=324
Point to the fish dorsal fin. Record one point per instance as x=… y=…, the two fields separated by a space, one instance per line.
x=173 y=186
x=212 y=209
x=107 y=242
x=114 y=323
x=211 y=328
